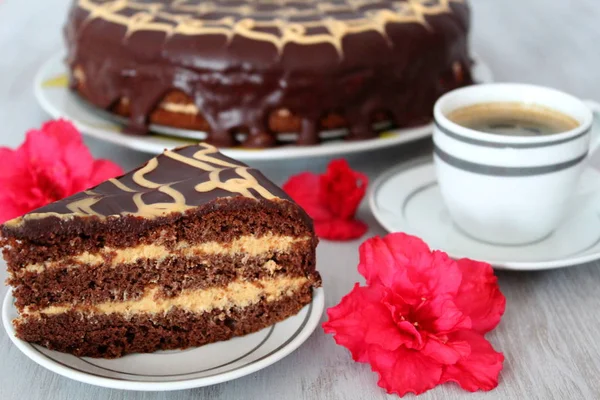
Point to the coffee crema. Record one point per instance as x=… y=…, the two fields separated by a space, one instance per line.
x=513 y=119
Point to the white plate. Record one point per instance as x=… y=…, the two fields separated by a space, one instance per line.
x=53 y=94
x=179 y=369
x=407 y=199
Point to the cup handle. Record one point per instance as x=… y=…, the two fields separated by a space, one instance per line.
x=594 y=106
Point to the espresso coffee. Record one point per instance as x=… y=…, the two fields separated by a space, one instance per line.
x=513 y=119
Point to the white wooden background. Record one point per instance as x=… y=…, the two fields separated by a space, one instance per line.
x=551 y=328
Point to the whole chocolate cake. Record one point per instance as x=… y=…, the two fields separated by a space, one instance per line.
x=263 y=67
x=191 y=248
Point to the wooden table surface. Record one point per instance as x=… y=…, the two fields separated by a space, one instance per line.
x=550 y=331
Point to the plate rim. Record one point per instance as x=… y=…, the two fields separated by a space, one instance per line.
x=318 y=303
x=427 y=160
x=401 y=136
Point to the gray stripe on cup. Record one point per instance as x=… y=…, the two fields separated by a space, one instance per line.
x=485 y=143
x=483 y=169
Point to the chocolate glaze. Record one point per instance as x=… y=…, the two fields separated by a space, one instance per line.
x=191 y=179
x=243 y=68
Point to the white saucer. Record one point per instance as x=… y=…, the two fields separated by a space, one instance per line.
x=407 y=199
x=184 y=369
x=53 y=94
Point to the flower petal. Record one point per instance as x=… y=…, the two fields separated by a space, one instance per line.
x=348 y=321
x=8 y=157
x=78 y=162
x=445 y=353
x=435 y=272
x=303 y=188
x=404 y=371
x=480 y=369
x=40 y=149
x=404 y=262
x=342 y=189
x=331 y=199
x=479 y=295
x=9 y=209
x=63 y=131
x=361 y=320
x=388 y=259
x=440 y=314
x=400 y=310
x=46 y=179
x=338 y=229
x=383 y=332
x=377 y=264
x=103 y=170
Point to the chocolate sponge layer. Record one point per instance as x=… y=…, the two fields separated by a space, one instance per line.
x=86 y=284
x=113 y=335
x=221 y=221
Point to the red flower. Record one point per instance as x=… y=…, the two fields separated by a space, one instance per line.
x=421 y=319
x=51 y=164
x=331 y=199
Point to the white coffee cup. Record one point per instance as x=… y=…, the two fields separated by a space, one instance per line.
x=510 y=190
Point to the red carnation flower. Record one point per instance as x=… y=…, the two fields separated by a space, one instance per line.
x=421 y=319
x=51 y=164
x=331 y=199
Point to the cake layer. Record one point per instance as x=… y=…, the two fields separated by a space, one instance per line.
x=85 y=284
x=114 y=335
x=178 y=110
x=238 y=293
x=249 y=246
x=222 y=221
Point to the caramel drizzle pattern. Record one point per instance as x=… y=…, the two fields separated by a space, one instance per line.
x=202 y=160
x=186 y=18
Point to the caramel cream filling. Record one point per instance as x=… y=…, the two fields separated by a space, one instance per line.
x=250 y=246
x=239 y=293
x=191 y=109
x=179 y=108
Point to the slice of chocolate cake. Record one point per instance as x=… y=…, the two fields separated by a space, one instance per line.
x=191 y=248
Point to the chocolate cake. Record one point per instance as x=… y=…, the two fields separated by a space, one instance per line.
x=263 y=67
x=191 y=248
